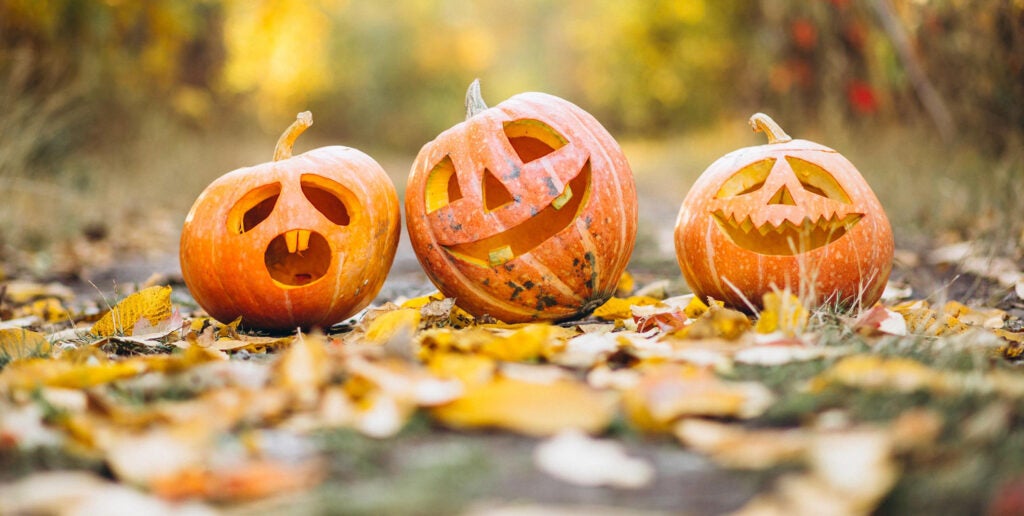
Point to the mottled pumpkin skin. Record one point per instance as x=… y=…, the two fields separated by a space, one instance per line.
x=850 y=267
x=227 y=272
x=559 y=263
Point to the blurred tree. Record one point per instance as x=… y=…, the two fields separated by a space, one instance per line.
x=393 y=74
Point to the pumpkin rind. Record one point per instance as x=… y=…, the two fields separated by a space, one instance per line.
x=538 y=249
x=842 y=243
x=227 y=272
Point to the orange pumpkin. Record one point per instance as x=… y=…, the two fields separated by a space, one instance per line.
x=790 y=214
x=302 y=241
x=525 y=211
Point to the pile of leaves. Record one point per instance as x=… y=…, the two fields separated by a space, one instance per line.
x=151 y=405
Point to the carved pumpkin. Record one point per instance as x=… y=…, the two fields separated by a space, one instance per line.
x=525 y=211
x=790 y=214
x=302 y=241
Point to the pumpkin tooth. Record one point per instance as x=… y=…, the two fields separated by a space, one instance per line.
x=500 y=255
x=303 y=239
x=560 y=201
x=747 y=224
x=291 y=238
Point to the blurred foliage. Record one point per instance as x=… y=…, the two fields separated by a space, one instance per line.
x=393 y=74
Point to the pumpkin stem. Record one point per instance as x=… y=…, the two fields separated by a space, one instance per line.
x=762 y=123
x=283 y=150
x=474 y=102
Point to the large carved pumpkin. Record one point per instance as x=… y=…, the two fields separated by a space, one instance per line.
x=301 y=241
x=790 y=214
x=525 y=211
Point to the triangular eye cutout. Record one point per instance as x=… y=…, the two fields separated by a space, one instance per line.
x=442 y=185
x=817 y=180
x=533 y=139
x=746 y=180
x=254 y=207
x=325 y=195
x=495 y=193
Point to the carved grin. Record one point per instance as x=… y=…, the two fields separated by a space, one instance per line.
x=787 y=238
x=297 y=258
x=509 y=244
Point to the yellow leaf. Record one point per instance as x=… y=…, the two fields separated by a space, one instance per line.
x=783 y=312
x=152 y=304
x=420 y=302
x=470 y=369
x=304 y=367
x=36 y=372
x=48 y=309
x=18 y=343
x=388 y=325
x=668 y=392
x=527 y=343
x=622 y=307
x=876 y=372
x=696 y=307
x=716 y=323
x=529 y=408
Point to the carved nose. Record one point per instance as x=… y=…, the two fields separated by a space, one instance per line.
x=782 y=196
x=297 y=240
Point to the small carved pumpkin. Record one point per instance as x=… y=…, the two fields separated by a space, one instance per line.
x=790 y=214
x=302 y=241
x=525 y=211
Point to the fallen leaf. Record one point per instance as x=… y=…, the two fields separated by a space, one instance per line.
x=622 y=308
x=667 y=392
x=576 y=458
x=879 y=320
x=17 y=343
x=152 y=304
x=530 y=408
x=783 y=312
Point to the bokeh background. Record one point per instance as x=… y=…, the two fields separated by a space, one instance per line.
x=114 y=114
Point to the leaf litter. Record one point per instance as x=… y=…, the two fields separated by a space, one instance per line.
x=189 y=413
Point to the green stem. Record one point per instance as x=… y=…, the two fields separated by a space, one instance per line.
x=474 y=102
x=283 y=149
x=762 y=123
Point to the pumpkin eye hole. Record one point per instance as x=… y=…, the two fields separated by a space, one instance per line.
x=254 y=207
x=442 y=185
x=817 y=180
x=495 y=193
x=533 y=139
x=325 y=195
x=748 y=179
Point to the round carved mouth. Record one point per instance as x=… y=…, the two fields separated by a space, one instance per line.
x=297 y=257
x=787 y=238
x=558 y=215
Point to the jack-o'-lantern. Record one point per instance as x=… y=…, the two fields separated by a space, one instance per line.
x=525 y=211
x=301 y=241
x=791 y=214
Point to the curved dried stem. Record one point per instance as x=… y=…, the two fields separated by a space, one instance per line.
x=762 y=123
x=283 y=150
x=474 y=102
